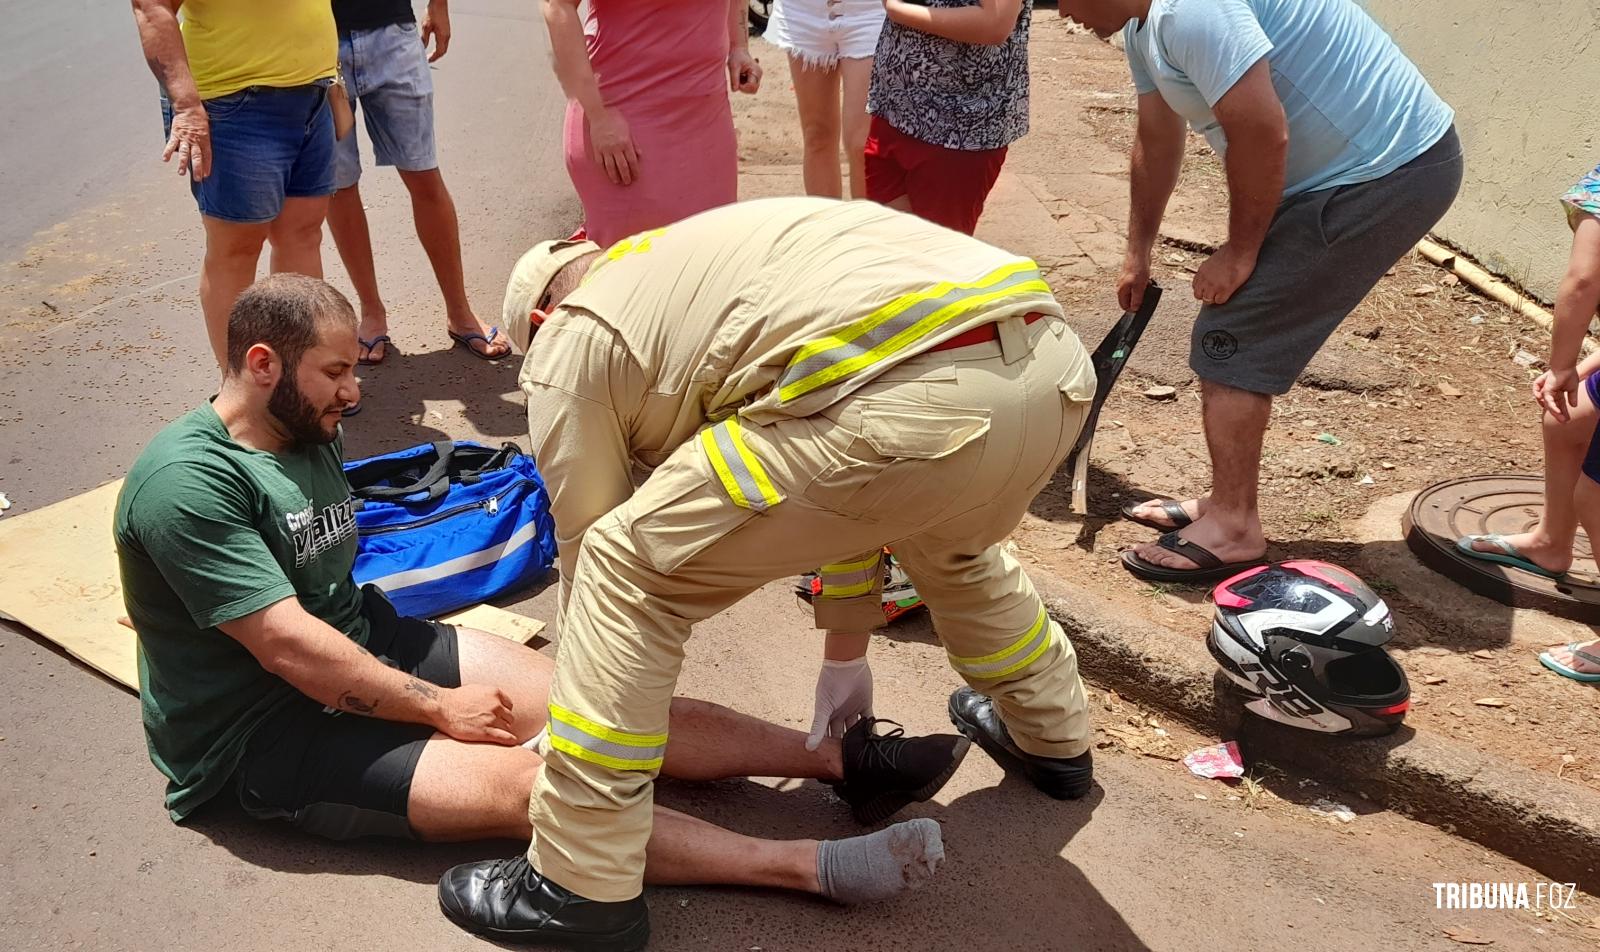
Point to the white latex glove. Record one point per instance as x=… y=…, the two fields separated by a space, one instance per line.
x=844 y=696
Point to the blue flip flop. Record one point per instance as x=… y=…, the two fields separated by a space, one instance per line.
x=1566 y=671
x=465 y=340
x=1508 y=554
x=368 y=346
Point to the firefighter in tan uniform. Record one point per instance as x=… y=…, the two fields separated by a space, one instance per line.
x=808 y=381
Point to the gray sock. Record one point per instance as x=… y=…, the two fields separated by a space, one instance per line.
x=882 y=864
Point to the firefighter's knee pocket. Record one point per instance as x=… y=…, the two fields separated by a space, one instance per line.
x=679 y=512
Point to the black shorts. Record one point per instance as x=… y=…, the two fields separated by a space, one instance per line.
x=341 y=775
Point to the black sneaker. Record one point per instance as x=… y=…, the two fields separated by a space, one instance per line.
x=508 y=901
x=1065 y=778
x=884 y=772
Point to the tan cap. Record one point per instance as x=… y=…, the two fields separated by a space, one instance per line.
x=529 y=279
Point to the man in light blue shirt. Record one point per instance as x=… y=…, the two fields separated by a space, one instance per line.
x=1339 y=158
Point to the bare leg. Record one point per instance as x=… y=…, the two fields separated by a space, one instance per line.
x=232 y=252
x=480 y=791
x=434 y=212
x=1586 y=497
x=347 y=220
x=856 y=77
x=816 y=93
x=1549 y=544
x=296 y=236
x=684 y=850
x=707 y=741
x=710 y=742
x=1236 y=422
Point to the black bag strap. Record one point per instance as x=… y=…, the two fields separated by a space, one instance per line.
x=435 y=481
x=468 y=464
x=500 y=460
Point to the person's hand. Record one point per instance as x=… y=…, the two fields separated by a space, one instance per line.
x=613 y=147
x=844 y=696
x=436 y=25
x=744 y=72
x=1222 y=274
x=190 y=141
x=1133 y=281
x=474 y=713
x=1556 y=391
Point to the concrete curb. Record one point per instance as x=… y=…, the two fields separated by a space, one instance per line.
x=1550 y=826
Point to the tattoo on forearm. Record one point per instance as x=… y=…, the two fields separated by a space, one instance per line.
x=423 y=689
x=349 y=702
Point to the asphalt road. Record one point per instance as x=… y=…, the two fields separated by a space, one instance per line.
x=101 y=344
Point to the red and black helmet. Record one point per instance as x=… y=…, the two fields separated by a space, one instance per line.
x=1305 y=640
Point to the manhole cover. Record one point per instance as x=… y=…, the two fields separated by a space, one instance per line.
x=1477 y=505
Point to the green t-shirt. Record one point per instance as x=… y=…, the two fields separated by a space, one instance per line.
x=208 y=531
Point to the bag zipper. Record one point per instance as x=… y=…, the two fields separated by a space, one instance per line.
x=491 y=506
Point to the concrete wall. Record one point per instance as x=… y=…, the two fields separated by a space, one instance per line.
x=1523 y=78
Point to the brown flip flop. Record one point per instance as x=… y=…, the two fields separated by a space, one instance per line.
x=1208 y=568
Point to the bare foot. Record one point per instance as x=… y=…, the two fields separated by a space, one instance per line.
x=468 y=325
x=1150 y=510
x=1534 y=546
x=1563 y=655
x=1230 y=543
x=374 y=324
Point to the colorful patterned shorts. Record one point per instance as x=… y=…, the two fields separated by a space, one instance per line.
x=1583 y=199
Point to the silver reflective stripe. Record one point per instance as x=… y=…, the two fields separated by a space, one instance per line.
x=640 y=758
x=849 y=579
x=857 y=348
x=741 y=473
x=461 y=563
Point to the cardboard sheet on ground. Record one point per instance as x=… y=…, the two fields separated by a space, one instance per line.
x=58 y=576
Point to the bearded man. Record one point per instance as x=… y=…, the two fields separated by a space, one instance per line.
x=267 y=674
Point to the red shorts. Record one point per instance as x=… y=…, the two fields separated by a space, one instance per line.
x=945 y=186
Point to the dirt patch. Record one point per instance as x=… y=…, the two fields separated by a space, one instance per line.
x=1369 y=420
x=1375 y=389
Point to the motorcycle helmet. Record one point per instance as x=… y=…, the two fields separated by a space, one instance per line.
x=1304 y=640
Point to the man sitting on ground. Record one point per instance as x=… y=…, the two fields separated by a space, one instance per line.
x=264 y=668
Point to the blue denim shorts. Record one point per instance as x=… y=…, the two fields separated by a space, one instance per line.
x=386 y=72
x=267 y=144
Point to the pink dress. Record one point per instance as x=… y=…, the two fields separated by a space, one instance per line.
x=663 y=65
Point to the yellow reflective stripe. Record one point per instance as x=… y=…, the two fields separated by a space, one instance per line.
x=900 y=324
x=740 y=472
x=850 y=579
x=992 y=666
x=840 y=568
x=845 y=591
x=590 y=740
x=902 y=304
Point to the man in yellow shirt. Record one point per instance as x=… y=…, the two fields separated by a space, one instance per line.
x=245 y=103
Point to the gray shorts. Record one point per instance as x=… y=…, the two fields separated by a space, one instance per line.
x=1324 y=251
x=386 y=72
